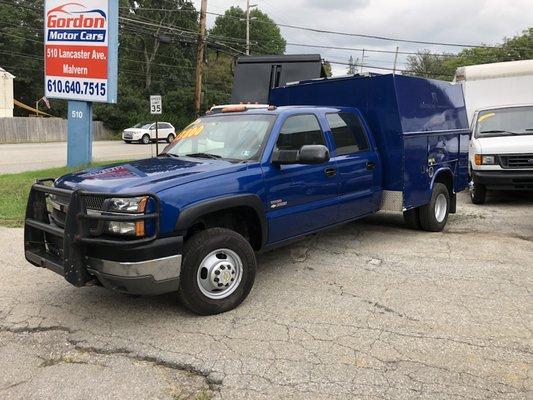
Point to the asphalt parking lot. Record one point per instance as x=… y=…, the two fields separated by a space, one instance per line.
x=369 y=310
x=33 y=156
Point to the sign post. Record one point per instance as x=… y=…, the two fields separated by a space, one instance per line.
x=156 y=108
x=81 y=62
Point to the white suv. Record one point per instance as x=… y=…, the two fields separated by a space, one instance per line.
x=144 y=132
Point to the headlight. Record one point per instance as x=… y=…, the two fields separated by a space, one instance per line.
x=484 y=160
x=128 y=204
x=134 y=205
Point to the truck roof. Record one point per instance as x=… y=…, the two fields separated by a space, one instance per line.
x=494 y=70
x=282 y=110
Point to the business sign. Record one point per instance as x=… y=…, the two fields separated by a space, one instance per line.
x=156 y=105
x=81 y=40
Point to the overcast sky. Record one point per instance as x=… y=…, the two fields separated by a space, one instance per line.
x=450 y=21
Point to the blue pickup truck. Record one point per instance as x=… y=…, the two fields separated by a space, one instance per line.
x=244 y=181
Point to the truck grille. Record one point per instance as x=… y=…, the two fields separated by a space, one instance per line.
x=59 y=214
x=516 y=161
x=128 y=135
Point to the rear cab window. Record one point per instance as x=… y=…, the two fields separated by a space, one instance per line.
x=348 y=134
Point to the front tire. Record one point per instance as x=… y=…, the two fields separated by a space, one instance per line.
x=433 y=216
x=478 y=192
x=217 y=272
x=145 y=139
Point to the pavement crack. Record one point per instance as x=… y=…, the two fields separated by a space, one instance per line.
x=212 y=379
x=36 y=329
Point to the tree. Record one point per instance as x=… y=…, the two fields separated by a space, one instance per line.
x=21 y=51
x=229 y=31
x=443 y=67
x=145 y=26
x=327 y=68
x=429 y=65
x=352 y=67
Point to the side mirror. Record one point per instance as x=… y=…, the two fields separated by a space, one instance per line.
x=308 y=154
x=314 y=154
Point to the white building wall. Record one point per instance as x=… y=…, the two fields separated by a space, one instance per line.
x=6 y=94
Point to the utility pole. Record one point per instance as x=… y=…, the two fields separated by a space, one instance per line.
x=248 y=7
x=395 y=59
x=362 y=62
x=200 y=59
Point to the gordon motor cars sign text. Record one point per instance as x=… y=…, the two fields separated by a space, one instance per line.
x=76 y=49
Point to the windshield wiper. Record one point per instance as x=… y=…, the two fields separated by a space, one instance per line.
x=167 y=155
x=204 y=155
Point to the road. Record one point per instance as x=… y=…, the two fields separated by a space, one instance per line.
x=369 y=310
x=33 y=156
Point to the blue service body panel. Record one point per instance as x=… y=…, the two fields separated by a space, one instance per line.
x=419 y=125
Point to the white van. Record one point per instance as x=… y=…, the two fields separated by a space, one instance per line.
x=499 y=103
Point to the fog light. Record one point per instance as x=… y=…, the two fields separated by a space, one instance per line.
x=122 y=228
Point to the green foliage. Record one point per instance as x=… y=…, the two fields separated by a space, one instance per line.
x=21 y=51
x=443 y=67
x=14 y=190
x=265 y=36
x=327 y=68
x=146 y=64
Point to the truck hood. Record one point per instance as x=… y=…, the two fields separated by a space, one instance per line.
x=148 y=175
x=507 y=144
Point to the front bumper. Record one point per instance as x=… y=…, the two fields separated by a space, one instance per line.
x=150 y=265
x=131 y=136
x=505 y=179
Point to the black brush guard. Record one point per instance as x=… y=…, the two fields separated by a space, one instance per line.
x=39 y=232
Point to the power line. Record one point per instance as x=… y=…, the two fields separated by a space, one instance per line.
x=434 y=74
x=350 y=34
x=365 y=49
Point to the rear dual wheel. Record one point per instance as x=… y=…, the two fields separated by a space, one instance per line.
x=433 y=216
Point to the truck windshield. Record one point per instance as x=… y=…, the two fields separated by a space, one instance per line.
x=233 y=137
x=505 y=122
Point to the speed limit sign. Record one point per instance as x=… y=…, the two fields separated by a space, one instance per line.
x=156 y=105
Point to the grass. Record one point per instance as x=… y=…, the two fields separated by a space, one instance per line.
x=14 y=189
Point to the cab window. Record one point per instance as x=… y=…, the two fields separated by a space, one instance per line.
x=299 y=130
x=347 y=132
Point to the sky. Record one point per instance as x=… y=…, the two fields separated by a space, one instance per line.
x=449 y=21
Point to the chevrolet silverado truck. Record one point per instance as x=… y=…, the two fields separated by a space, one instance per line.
x=243 y=181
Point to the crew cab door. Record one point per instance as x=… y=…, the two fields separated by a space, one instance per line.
x=358 y=166
x=300 y=198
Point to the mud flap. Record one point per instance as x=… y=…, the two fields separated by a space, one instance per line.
x=453 y=203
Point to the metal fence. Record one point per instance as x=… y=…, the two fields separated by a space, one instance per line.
x=32 y=129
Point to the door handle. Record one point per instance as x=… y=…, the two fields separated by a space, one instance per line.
x=330 y=171
x=370 y=165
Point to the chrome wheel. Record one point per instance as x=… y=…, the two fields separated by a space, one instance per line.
x=219 y=274
x=441 y=206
